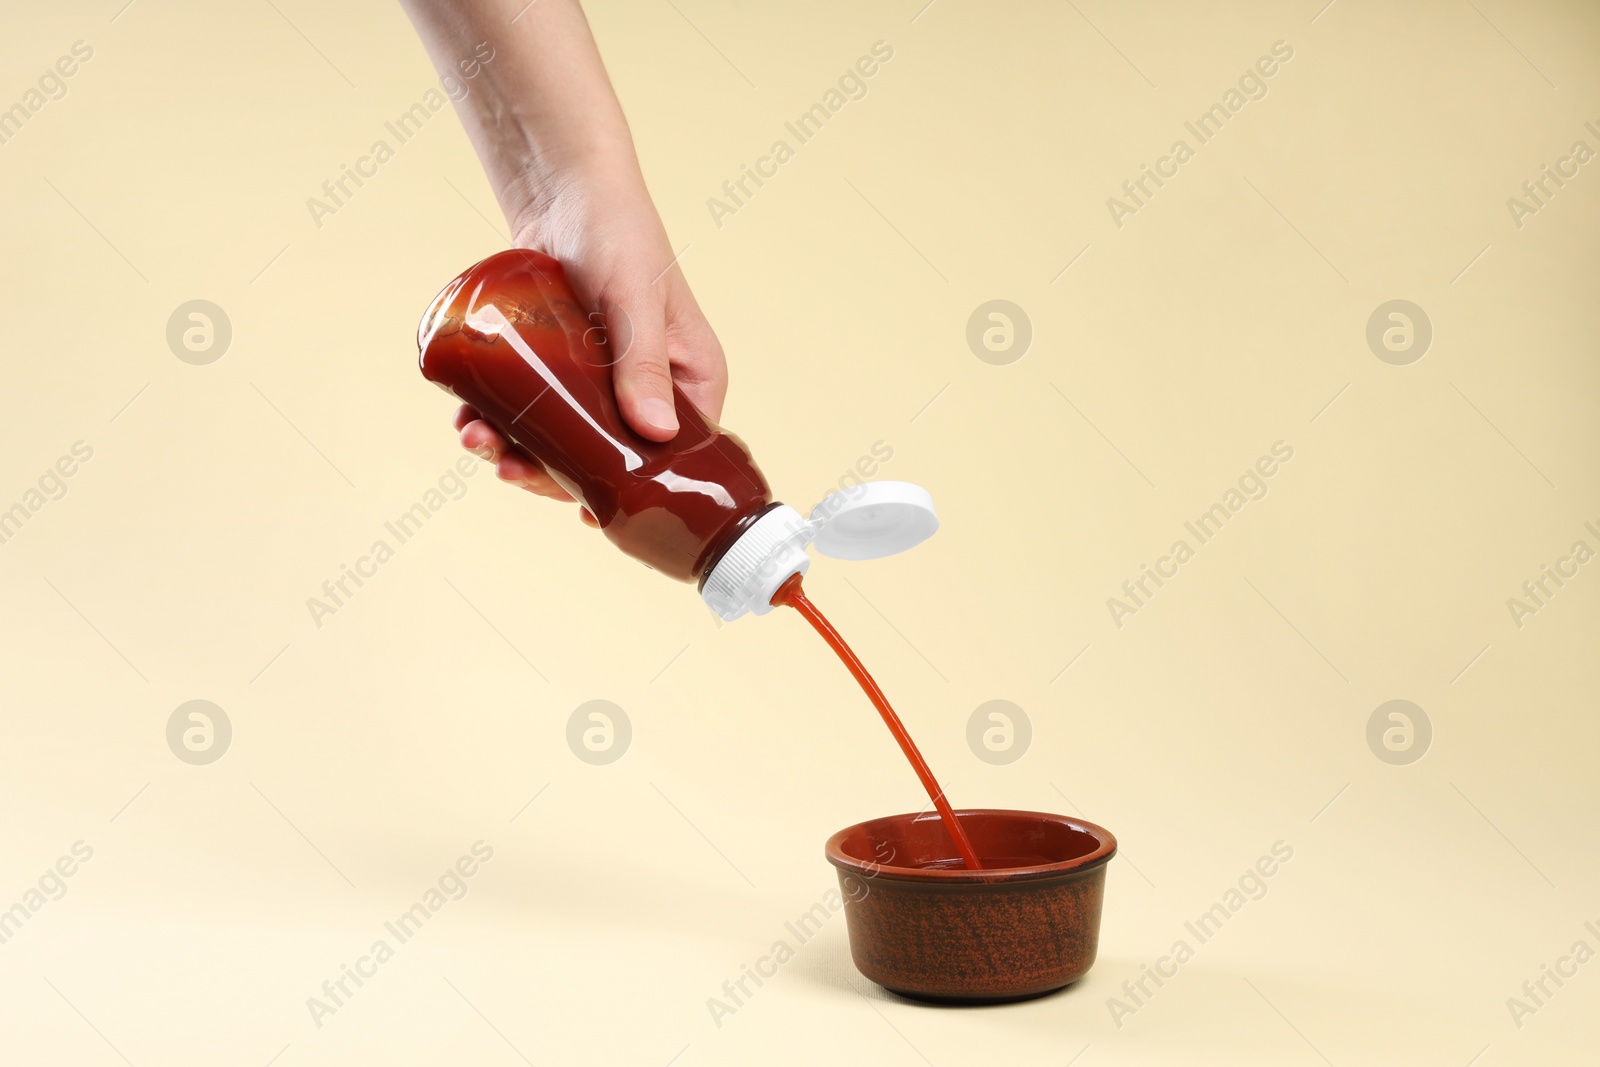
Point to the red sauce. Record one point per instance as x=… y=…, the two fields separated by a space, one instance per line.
x=790 y=594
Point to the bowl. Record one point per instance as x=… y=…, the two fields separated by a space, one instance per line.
x=923 y=926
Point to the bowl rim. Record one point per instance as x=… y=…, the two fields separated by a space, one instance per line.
x=1105 y=848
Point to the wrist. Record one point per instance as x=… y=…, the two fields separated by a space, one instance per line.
x=557 y=187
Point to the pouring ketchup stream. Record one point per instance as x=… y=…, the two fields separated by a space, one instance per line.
x=792 y=595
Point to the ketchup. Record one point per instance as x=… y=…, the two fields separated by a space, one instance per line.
x=509 y=338
x=793 y=595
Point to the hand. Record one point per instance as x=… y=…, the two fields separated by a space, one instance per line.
x=606 y=233
x=555 y=146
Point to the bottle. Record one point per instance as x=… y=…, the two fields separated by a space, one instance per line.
x=510 y=338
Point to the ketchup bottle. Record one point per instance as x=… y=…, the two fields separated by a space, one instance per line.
x=509 y=338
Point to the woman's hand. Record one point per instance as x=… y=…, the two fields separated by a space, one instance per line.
x=556 y=148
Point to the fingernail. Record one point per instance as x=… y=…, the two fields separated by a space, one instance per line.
x=659 y=413
x=484 y=452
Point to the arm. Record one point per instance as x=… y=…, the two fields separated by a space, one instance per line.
x=555 y=146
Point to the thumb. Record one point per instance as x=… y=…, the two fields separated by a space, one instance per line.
x=642 y=376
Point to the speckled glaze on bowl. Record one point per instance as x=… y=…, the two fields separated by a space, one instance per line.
x=923 y=926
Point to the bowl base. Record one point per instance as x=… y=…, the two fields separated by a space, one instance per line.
x=954 y=1000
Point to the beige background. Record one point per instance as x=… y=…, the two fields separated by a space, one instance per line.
x=1228 y=314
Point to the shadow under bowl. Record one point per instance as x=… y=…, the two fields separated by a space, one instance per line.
x=924 y=926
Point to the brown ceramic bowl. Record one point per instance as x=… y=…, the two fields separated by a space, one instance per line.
x=924 y=926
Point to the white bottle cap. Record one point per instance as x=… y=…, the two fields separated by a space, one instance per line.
x=765 y=556
x=873 y=520
x=865 y=521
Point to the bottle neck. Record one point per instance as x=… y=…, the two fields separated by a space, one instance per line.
x=726 y=539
